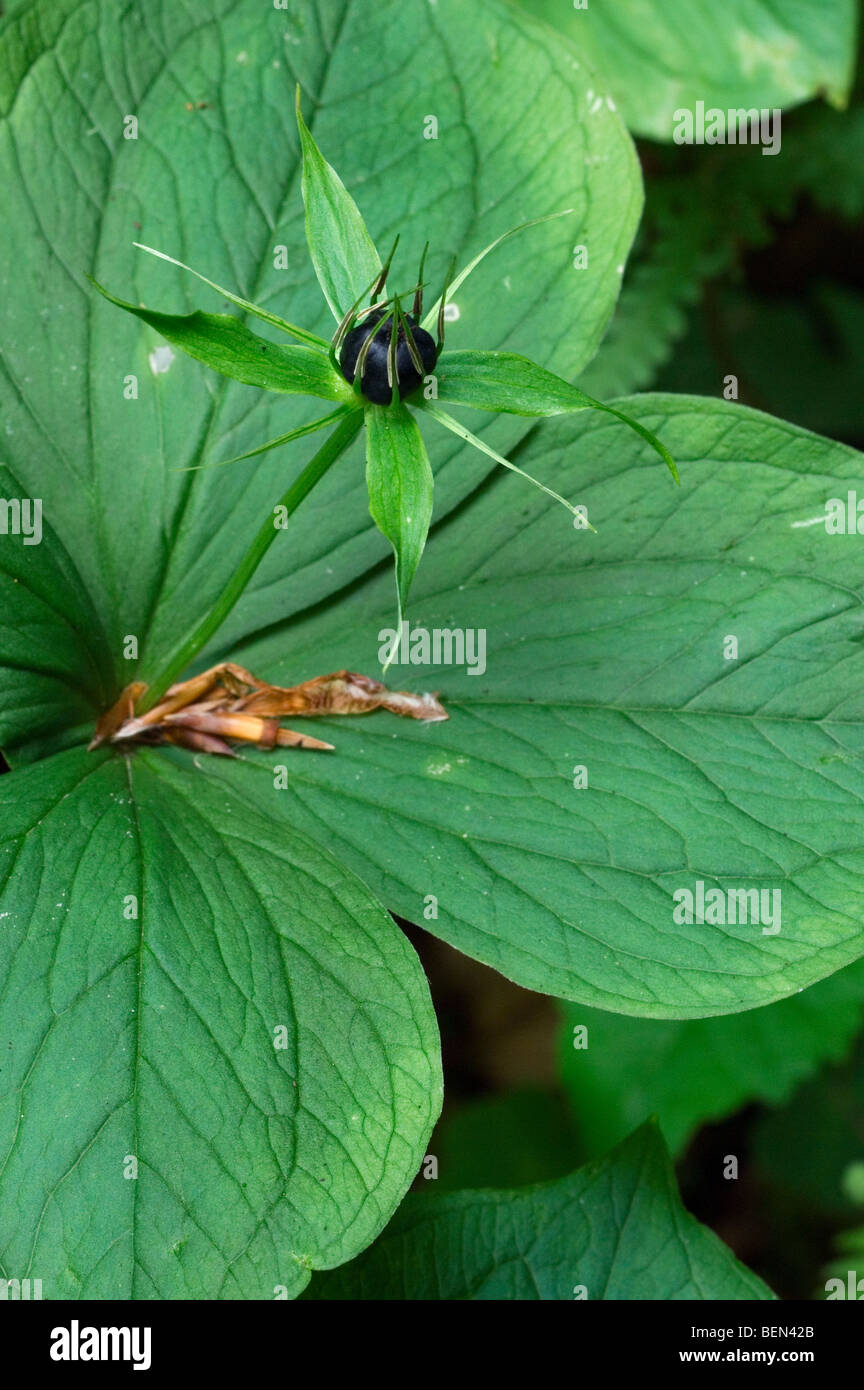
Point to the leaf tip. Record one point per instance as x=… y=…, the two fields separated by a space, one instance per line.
x=298 y=109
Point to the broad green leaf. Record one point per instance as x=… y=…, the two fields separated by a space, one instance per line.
x=615 y=1229
x=224 y=343
x=400 y=486
x=655 y=58
x=687 y=1073
x=504 y=381
x=193 y=990
x=606 y=653
x=153 y=543
x=341 y=248
x=453 y=286
x=53 y=646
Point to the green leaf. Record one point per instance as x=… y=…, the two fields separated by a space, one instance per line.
x=400 y=486
x=504 y=381
x=687 y=1073
x=462 y=431
x=298 y=433
x=230 y=348
x=341 y=248
x=607 y=652
x=746 y=53
x=454 y=285
x=189 y=988
x=52 y=643
x=275 y=320
x=615 y=1228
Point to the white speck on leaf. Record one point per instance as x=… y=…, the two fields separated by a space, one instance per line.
x=160 y=359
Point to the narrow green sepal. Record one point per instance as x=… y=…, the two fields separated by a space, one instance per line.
x=226 y=345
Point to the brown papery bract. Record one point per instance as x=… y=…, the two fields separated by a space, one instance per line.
x=227 y=702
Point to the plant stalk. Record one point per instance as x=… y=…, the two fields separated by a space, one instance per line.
x=314 y=471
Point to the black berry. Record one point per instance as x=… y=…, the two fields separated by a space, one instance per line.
x=374 y=384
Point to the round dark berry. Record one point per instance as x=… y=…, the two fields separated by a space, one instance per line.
x=374 y=385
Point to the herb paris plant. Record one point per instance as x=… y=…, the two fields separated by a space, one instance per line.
x=378 y=357
x=198 y=972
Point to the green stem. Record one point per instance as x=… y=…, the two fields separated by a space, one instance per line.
x=313 y=472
